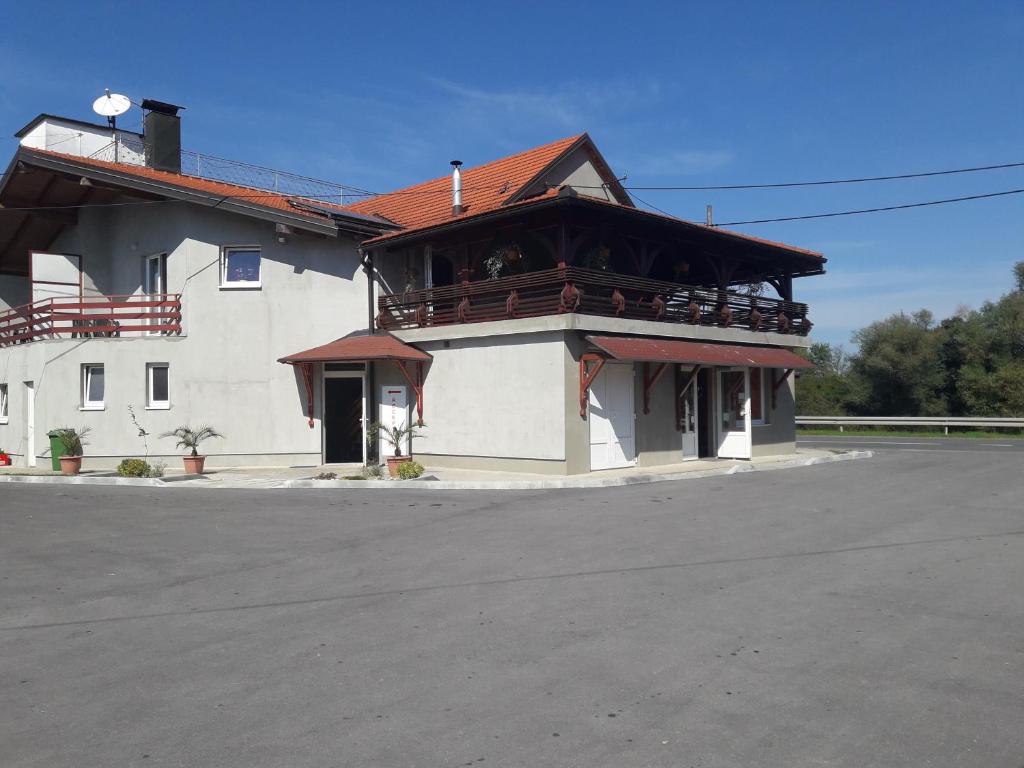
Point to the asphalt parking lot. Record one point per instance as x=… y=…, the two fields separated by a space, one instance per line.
x=867 y=613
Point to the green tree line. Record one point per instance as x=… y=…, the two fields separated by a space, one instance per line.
x=970 y=364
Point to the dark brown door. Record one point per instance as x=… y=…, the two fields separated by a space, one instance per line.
x=343 y=420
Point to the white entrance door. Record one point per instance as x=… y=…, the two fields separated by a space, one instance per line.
x=394 y=412
x=612 y=441
x=733 y=405
x=689 y=425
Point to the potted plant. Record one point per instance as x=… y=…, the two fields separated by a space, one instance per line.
x=395 y=436
x=71 y=441
x=190 y=438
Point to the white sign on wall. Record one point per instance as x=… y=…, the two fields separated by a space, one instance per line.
x=394 y=412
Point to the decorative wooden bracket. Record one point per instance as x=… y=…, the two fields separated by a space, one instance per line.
x=776 y=383
x=650 y=381
x=307 y=378
x=587 y=378
x=417 y=387
x=681 y=391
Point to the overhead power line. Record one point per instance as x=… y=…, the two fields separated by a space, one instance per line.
x=825 y=182
x=872 y=210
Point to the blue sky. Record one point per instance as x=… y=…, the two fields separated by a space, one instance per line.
x=379 y=95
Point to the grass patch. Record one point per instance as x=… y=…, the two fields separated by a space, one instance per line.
x=1010 y=434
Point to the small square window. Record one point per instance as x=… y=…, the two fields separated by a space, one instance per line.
x=158 y=386
x=3 y=403
x=93 y=385
x=240 y=267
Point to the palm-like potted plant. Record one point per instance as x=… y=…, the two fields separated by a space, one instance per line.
x=190 y=439
x=396 y=436
x=72 y=441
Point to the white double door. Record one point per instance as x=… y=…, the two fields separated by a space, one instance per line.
x=612 y=435
x=732 y=403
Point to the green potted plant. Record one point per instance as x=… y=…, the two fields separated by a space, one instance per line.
x=190 y=439
x=71 y=441
x=396 y=436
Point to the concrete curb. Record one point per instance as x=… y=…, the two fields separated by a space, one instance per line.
x=139 y=482
x=571 y=482
x=443 y=485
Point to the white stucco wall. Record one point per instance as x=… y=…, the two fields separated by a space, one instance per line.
x=496 y=397
x=577 y=171
x=224 y=369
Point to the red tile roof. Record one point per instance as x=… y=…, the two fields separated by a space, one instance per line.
x=655 y=350
x=359 y=348
x=484 y=188
x=199 y=184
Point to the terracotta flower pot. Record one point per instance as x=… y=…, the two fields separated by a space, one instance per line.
x=394 y=461
x=194 y=464
x=70 y=465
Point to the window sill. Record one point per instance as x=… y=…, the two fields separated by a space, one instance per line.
x=158 y=407
x=4 y=421
x=241 y=287
x=92 y=408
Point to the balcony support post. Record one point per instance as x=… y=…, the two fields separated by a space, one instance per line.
x=416 y=385
x=649 y=381
x=587 y=377
x=681 y=391
x=306 y=369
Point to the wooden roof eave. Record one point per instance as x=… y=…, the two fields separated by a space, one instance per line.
x=226 y=203
x=799 y=262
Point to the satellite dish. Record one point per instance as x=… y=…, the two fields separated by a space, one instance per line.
x=111 y=105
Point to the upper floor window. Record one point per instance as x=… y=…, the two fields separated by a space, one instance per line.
x=3 y=403
x=93 y=385
x=240 y=267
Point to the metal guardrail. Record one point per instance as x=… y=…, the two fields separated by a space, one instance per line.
x=90 y=317
x=945 y=422
x=130 y=150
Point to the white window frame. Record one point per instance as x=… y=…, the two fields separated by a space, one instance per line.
x=235 y=285
x=151 y=403
x=4 y=407
x=87 y=404
x=763 y=378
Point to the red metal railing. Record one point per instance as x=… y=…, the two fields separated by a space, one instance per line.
x=588 y=292
x=91 y=317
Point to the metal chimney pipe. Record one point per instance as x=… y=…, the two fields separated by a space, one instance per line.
x=709 y=217
x=456 y=188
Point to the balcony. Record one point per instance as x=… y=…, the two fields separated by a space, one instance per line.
x=589 y=292
x=92 y=317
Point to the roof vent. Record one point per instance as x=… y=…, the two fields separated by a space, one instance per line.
x=457 y=188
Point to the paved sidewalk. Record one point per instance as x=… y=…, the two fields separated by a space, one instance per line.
x=435 y=478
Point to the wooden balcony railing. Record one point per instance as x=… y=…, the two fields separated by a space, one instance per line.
x=588 y=292
x=91 y=317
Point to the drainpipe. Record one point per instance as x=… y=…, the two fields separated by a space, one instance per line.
x=366 y=259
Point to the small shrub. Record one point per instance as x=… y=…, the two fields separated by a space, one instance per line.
x=156 y=469
x=327 y=476
x=410 y=470
x=373 y=472
x=134 y=468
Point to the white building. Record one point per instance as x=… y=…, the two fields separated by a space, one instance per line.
x=533 y=318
